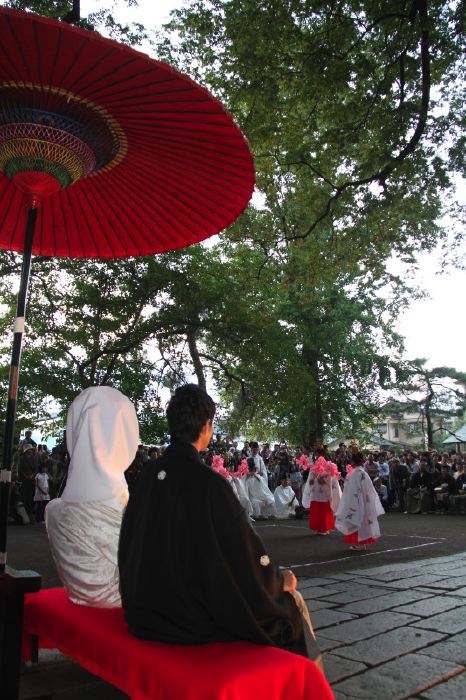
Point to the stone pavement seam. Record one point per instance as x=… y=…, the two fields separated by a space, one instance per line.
x=444 y=679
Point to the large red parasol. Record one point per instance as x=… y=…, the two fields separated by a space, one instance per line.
x=135 y=158
x=104 y=153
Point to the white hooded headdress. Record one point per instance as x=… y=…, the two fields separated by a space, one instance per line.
x=102 y=437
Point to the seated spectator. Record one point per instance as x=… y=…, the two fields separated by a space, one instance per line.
x=382 y=492
x=458 y=500
x=419 y=495
x=459 y=469
x=446 y=487
x=83 y=525
x=285 y=499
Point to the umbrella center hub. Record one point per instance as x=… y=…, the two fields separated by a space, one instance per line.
x=44 y=149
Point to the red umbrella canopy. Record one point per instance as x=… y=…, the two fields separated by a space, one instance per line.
x=122 y=154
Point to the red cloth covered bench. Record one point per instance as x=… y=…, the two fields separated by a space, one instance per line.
x=98 y=640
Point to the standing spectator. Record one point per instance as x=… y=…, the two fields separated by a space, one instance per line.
x=57 y=473
x=41 y=493
x=134 y=470
x=44 y=452
x=371 y=466
x=265 y=453
x=399 y=480
x=153 y=455
x=296 y=480
x=142 y=454
x=27 y=470
x=246 y=451
x=261 y=469
x=28 y=439
x=412 y=462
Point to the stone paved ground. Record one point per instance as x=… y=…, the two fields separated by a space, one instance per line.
x=389 y=633
x=393 y=632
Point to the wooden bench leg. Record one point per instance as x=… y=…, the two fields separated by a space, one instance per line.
x=13 y=586
x=35 y=649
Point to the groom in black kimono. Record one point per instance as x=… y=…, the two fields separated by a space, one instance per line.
x=192 y=569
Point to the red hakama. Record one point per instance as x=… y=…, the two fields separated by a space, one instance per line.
x=321 y=518
x=354 y=539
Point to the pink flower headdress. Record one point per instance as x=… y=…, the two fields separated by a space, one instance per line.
x=217 y=466
x=243 y=469
x=322 y=467
x=304 y=463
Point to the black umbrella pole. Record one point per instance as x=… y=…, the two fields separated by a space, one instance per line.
x=5 y=473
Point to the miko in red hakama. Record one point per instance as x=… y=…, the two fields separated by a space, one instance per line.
x=321 y=518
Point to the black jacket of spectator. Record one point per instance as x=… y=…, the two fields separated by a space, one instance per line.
x=421 y=479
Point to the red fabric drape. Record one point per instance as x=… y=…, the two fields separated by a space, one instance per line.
x=99 y=641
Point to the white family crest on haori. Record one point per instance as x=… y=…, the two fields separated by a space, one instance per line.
x=359 y=507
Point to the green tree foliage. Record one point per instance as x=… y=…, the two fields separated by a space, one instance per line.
x=336 y=100
x=352 y=110
x=434 y=393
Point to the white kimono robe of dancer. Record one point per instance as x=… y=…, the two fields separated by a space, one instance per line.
x=83 y=526
x=314 y=490
x=283 y=496
x=359 y=507
x=240 y=492
x=261 y=497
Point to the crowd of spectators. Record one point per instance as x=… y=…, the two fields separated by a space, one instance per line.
x=38 y=475
x=410 y=482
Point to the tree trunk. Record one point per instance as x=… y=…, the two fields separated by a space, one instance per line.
x=197 y=364
x=430 y=430
x=313 y=428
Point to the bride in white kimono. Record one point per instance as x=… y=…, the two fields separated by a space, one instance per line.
x=83 y=526
x=360 y=507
